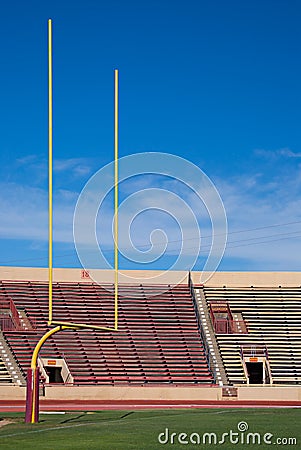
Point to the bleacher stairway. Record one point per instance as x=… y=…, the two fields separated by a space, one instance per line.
x=10 y=372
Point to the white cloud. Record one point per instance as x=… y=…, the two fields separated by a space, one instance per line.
x=275 y=154
x=35 y=164
x=24 y=213
x=27 y=160
x=251 y=201
x=275 y=208
x=79 y=167
x=289 y=153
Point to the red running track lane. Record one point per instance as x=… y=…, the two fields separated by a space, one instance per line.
x=90 y=405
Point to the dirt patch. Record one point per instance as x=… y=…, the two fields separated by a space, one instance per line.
x=4 y=422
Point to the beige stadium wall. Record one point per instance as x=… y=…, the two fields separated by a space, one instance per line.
x=118 y=393
x=229 y=279
x=188 y=393
x=163 y=393
x=11 y=393
x=248 y=279
x=81 y=275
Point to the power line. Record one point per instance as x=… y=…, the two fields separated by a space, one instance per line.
x=228 y=247
x=281 y=237
x=228 y=233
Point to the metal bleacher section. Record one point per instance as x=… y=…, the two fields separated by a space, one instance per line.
x=10 y=372
x=273 y=319
x=157 y=342
x=5 y=376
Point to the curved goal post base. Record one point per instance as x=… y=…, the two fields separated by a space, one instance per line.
x=32 y=386
x=33 y=378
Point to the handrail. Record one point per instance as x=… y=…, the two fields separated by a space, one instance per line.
x=208 y=354
x=228 y=326
x=10 y=318
x=69 y=375
x=254 y=350
x=10 y=305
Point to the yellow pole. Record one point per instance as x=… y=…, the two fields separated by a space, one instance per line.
x=116 y=199
x=50 y=208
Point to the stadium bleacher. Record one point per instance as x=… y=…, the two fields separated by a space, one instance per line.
x=158 y=341
x=273 y=319
x=5 y=376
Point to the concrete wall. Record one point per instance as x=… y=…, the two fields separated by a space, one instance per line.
x=273 y=393
x=247 y=279
x=8 y=392
x=189 y=393
x=108 y=393
x=229 y=279
x=104 y=276
x=163 y=393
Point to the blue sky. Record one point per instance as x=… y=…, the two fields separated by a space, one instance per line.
x=217 y=83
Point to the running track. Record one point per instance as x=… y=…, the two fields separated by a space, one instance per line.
x=77 y=405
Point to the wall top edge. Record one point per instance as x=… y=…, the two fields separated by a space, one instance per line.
x=226 y=278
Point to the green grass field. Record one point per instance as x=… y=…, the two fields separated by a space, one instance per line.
x=110 y=430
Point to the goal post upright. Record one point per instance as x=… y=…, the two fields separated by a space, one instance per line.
x=116 y=201
x=50 y=176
